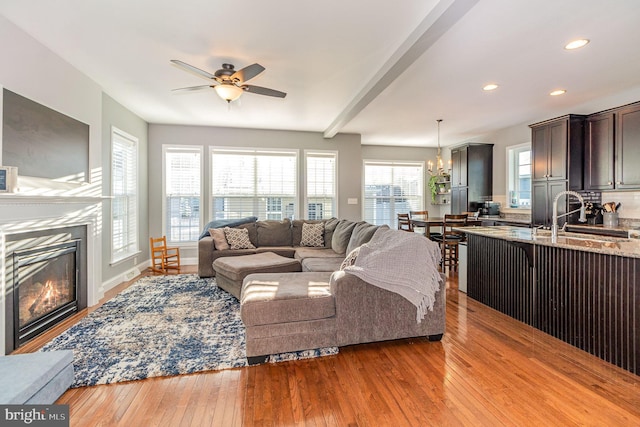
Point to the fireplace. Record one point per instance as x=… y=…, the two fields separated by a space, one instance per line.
x=44 y=290
x=46 y=279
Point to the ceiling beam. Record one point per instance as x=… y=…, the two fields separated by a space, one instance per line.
x=441 y=18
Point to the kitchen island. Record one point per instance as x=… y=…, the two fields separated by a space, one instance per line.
x=582 y=289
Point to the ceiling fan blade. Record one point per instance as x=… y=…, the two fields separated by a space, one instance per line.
x=194 y=70
x=264 y=91
x=192 y=88
x=248 y=72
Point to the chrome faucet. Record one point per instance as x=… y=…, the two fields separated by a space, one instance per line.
x=554 y=225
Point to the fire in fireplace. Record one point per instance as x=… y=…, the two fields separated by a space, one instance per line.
x=45 y=280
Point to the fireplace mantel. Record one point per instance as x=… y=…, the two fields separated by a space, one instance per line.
x=17 y=199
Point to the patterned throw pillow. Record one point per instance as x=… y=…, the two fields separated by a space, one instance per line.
x=238 y=238
x=219 y=239
x=350 y=259
x=312 y=235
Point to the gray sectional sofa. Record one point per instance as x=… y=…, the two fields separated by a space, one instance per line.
x=321 y=305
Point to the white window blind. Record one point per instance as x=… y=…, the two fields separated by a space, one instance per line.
x=253 y=182
x=124 y=192
x=182 y=193
x=391 y=188
x=321 y=168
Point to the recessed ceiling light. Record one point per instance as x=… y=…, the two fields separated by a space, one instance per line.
x=491 y=86
x=576 y=44
x=558 y=92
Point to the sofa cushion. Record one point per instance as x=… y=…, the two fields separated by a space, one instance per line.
x=329 y=228
x=284 y=298
x=303 y=252
x=321 y=264
x=350 y=259
x=238 y=238
x=238 y=267
x=219 y=239
x=286 y=251
x=312 y=235
x=362 y=233
x=341 y=236
x=253 y=232
x=274 y=233
x=296 y=229
x=221 y=223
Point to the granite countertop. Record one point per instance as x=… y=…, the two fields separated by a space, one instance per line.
x=577 y=241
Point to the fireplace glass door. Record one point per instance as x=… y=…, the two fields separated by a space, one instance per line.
x=45 y=280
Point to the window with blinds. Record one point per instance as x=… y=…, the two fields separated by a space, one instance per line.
x=321 y=176
x=391 y=188
x=182 y=171
x=253 y=182
x=124 y=192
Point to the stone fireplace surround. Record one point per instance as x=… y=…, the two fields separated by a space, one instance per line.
x=21 y=214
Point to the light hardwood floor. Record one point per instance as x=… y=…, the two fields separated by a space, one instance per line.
x=488 y=370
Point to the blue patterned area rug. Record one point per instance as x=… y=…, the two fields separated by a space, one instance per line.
x=161 y=326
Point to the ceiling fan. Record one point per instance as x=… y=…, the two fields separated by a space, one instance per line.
x=228 y=83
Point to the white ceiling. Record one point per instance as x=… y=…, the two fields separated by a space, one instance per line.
x=375 y=68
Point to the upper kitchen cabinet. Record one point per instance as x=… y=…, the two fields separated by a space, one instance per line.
x=557 y=150
x=471 y=176
x=599 y=152
x=612 y=149
x=627 y=143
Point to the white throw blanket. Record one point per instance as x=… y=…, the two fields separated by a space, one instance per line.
x=401 y=262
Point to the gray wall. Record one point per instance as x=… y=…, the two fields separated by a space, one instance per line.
x=115 y=115
x=347 y=145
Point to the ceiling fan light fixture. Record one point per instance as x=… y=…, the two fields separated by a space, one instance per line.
x=576 y=44
x=228 y=92
x=558 y=92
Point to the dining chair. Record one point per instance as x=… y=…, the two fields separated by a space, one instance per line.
x=421 y=216
x=404 y=222
x=163 y=258
x=450 y=240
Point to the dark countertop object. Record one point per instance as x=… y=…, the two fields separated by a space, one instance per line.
x=598 y=229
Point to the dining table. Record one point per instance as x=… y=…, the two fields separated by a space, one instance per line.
x=439 y=222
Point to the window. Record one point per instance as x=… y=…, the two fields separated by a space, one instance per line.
x=321 y=200
x=519 y=178
x=253 y=182
x=182 y=171
x=124 y=192
x=391 y=188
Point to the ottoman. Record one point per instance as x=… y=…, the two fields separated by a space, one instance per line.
x=285 y=312
x=231 y=271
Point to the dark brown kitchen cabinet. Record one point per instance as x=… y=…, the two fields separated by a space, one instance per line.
x=557 y=148
x=612 y=149
x=543 y=194
x=627 y=147
x=599 y=152
x=471 y=176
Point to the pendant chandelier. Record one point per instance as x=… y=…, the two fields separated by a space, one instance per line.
x=439 y=171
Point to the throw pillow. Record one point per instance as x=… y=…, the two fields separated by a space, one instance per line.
x=312 y=235
x=219 y=239
x=350 y=259
x=238 y=238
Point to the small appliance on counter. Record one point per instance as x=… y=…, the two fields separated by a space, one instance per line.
x=489 y=208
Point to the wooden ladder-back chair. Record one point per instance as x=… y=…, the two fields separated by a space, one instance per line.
x=421 y=216
x=449 y=240
x=404 y=222
x=164 y=258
